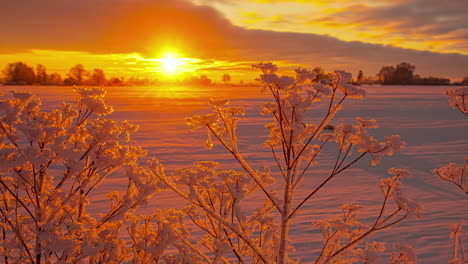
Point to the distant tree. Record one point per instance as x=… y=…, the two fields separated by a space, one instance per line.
x=464 y=81
x=138 y=81
x=386 y=74
x=18 y=73
x=97 y=78
x=404 y=73
x=418 y=80
x=226 y=78
x=54 y=79
x=369 y=80
x=114 y=81
x=360 y=76
x=77 y=74
x=70 y=82
x=202 y=80
x=41 y=74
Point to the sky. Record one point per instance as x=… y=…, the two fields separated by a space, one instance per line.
x=129 y=37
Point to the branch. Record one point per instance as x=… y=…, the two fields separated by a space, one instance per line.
x=19 y=200
x=18 y=234
x=323 y=183
x=317 y=131
x=309 y=163
x=377 y=224
x=247 y=168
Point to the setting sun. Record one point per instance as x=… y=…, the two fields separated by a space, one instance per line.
x=170 y=63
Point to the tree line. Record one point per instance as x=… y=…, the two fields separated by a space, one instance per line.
x=404 y=74
x=19 y=73
x=401 y=74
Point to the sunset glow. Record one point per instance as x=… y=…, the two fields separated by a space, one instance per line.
x=171 y=63
x=234 y=131
x=295 y=33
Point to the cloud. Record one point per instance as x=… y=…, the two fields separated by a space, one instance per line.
x=144 y=26
x=440 y=22
x=421 y=24
x=310 y=49
x=110 y=26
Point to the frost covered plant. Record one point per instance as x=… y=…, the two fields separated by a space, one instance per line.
x=51 y=163
x=216 y=199
x=295 y=142
x=342 y=234
x=453 y=173
x=458 y=99
x=153 y=236
x=404 y=254
x=458 y=256
x=457 y=175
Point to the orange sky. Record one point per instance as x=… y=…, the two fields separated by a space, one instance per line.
x=128 y=37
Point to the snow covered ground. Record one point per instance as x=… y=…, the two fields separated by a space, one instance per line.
x=435 y=134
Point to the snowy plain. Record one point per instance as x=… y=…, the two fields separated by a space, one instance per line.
x=435 y=133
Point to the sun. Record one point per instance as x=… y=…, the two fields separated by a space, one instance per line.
x=170 y=63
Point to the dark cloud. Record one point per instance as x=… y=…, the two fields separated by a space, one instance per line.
x=417 y=20
x=123 y=26
x=311 y=49
x=110 y=26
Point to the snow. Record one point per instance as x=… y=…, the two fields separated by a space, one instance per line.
x=435 y=133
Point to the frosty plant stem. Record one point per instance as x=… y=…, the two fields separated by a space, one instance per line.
x=458 y=99
x=50 y=164
x=295 y=143
x=457 y=175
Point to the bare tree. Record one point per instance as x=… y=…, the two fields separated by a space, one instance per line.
x=77 y=74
